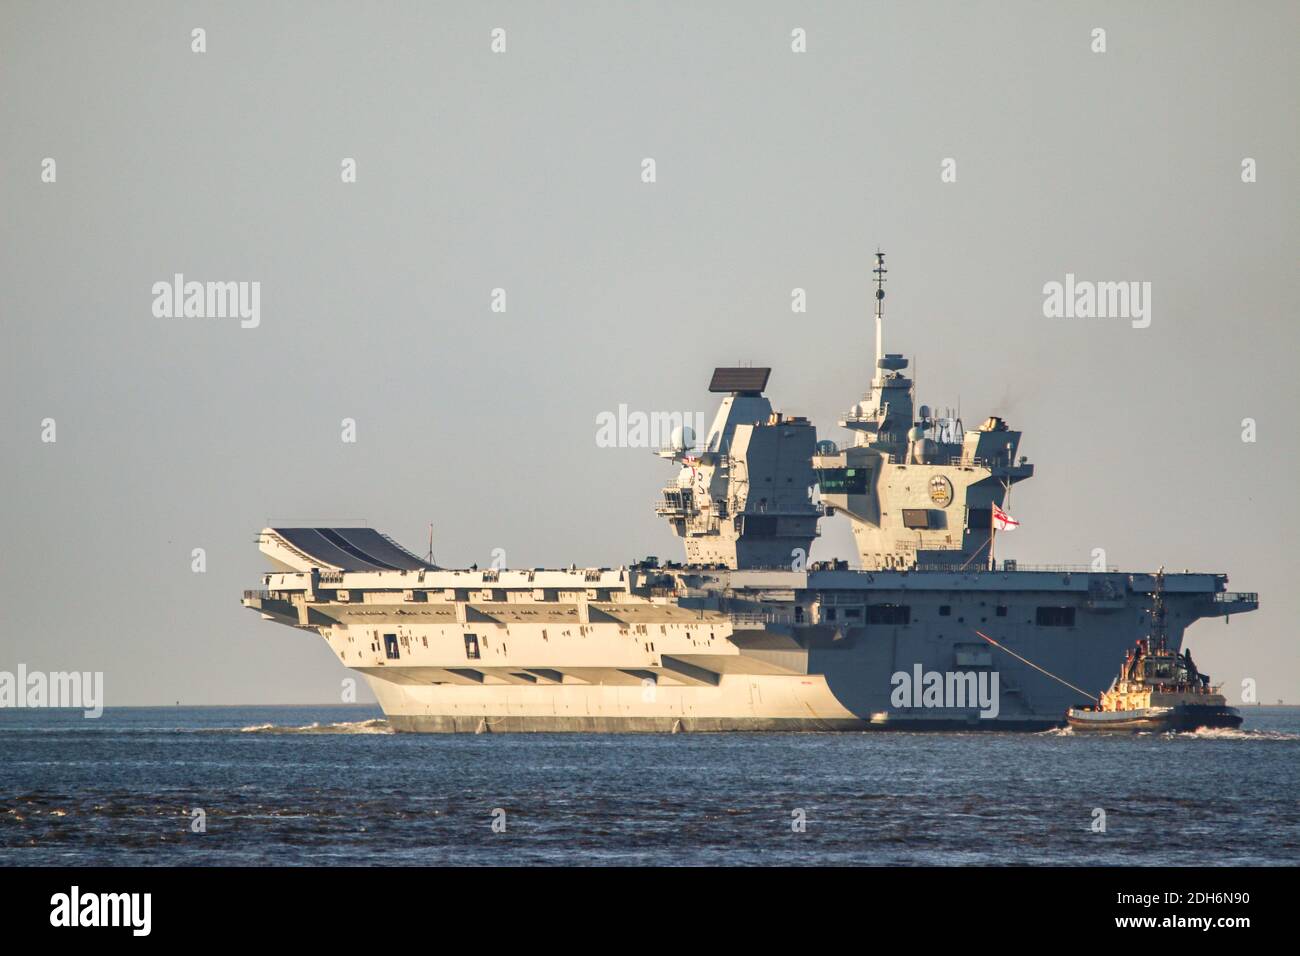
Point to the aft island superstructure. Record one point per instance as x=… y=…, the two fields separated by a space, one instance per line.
x=746 y=634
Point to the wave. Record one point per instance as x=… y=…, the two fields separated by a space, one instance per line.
x=1228 y=733
x=1203 y=733
x=374 y=726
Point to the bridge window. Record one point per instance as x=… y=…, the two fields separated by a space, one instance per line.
x=843 y=481
x=1056 y=617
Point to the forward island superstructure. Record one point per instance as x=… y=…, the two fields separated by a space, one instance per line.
x=747 y=634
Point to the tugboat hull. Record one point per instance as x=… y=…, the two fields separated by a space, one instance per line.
x=1181 y=718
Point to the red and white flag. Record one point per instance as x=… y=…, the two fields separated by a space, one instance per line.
x=1003 y=521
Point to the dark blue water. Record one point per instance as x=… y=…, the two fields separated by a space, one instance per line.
x=330 y=785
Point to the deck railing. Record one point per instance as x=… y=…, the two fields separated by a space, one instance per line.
x=1236 y=597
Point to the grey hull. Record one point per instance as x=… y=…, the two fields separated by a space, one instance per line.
x=662 y=725
x=616 y=651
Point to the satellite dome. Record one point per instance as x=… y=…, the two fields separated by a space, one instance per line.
x=684 y=478
x=915 y=433
x=927 y=451
x=682 y=437
x=826 y=447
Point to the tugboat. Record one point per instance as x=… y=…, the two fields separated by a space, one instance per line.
x=1158 y=690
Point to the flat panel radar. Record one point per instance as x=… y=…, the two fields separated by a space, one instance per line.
x=740 y=381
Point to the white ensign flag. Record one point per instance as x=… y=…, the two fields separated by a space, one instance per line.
x=1003 y=521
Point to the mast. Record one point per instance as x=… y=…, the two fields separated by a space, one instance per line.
x=1158 y=610
x=880 y=271
x=1006 y=496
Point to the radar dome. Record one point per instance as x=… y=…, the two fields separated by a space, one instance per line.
x=682 y=437
x=925 y=413
x=826 y=447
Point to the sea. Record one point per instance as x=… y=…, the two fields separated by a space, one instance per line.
x=333 y=786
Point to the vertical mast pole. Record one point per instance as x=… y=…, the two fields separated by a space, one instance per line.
x=880 y=271
x=993 y=536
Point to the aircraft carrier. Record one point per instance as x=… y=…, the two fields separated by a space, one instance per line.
x=931 y=632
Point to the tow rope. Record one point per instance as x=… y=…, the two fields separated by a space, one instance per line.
x=1033 y=665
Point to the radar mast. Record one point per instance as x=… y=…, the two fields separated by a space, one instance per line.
x=880 y=271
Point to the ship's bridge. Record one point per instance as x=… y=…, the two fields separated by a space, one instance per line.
x=337 y=549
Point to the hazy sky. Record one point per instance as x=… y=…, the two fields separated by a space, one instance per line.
x=522 y=170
